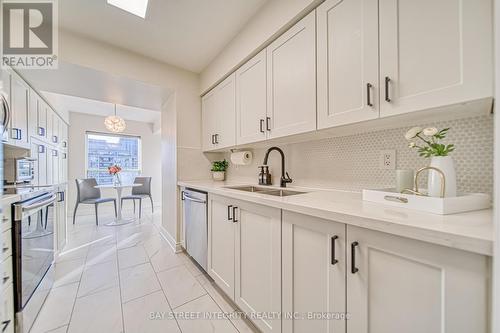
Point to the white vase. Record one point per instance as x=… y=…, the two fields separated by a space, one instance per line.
x=446 y=165
x=218 y=175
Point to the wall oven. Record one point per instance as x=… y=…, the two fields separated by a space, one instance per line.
x=33 y=254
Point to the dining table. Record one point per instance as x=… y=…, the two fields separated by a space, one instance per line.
x=119 y=220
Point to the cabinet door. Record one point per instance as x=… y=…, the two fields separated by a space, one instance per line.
x=291 y=80
x=347 y=62
x=61 y=219
x=33 y=114
x=251 y=100
x=64 y=135
x=43 y=178
x=208 y=117
x=404 y=285
x=434 y=53
x=19 y=109
x=258 y=262
x=221 y=244
x=63 y=166
x=55 y=129
x=50 y=123
x=313 y=273
x=56 y=175
x=34 y=148
x=42 y=130
x=225 y=104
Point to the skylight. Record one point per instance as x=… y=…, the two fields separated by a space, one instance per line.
x=136 y=7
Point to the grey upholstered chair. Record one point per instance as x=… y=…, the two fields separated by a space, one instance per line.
x=88 y=194
x=140 y=192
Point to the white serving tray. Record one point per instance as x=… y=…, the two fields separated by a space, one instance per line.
x=462 y=203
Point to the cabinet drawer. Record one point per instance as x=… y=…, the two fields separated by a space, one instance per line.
x=7 y=310
x=6 y=278
x=6 y=245
x=6 y=218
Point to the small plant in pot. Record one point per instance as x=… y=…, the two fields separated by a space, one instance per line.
x=428 y=145
x=219 y=170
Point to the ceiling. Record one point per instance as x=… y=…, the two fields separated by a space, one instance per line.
x=74 y=80
x=185 y=33
x=67 y=103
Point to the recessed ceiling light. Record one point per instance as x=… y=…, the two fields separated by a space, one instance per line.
x=136 y=7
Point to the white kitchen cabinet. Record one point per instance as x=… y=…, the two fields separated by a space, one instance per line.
x=55 y=165
x=314 y=269
x=64 y=135
x=60 y=213
x=221 y=244
x=347 y=46
x=219 y=116
x=291 y=80
x=33 y=113
x=251 y=100
x=434 y=53
x=19 y=105
x=258 y=262
x=56 y=128
x=396 y=285
x=208 y=121
x=7 y=309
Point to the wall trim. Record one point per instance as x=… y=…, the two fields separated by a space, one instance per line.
x=175 y=246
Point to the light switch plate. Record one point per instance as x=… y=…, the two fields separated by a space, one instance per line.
x=388 y=159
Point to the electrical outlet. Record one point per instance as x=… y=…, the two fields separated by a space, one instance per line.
x=388 y=159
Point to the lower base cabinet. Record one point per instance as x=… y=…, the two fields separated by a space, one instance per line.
x=391 y=284
x=314 y=275
x=244 y=257
x=324 y=276
x=404 y=285
x=258 y=264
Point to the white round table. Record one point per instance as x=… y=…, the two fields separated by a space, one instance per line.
x=119 y=220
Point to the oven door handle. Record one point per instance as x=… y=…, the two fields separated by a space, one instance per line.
x=40 y=204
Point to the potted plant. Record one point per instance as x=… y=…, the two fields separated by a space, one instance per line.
x=219 y=169
x=430 y=147
x=115 y=171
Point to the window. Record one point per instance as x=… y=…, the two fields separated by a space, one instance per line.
x=104 y=150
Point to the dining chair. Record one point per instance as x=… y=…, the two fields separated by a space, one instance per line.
x=140 y=192
x=88 y=194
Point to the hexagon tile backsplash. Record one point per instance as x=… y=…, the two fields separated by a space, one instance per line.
x=352 y=162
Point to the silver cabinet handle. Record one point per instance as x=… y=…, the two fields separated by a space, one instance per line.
x=387 y=81
x=369 y=87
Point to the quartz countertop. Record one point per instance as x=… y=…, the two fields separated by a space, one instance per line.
x=471 y=231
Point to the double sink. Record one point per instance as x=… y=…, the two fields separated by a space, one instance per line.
x=263 y=190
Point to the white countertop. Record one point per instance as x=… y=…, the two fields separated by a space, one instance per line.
x=472 y=231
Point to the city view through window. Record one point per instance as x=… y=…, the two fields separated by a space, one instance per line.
x=104 y=150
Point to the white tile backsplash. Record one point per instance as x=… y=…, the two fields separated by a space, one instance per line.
x=352 y=162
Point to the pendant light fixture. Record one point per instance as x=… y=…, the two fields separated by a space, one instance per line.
x=115 y=123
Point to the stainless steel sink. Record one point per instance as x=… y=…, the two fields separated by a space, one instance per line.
x=248 y=188
x=281 y=193
x=264 y=190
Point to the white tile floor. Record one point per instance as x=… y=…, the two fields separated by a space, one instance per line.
x=113 y=279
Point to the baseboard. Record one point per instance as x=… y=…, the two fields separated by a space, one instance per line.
x=176 y=247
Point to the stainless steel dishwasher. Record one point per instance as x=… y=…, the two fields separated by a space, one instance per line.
x=196 y=224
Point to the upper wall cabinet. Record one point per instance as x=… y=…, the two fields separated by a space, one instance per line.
x=19 y=104
x=434 y=53
x=219 y=116
x=291 y=80
x=251 y=100
x=347 y=42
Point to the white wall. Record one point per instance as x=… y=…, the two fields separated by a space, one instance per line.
x=270 y=21
x=151 y=154
x=181 y=117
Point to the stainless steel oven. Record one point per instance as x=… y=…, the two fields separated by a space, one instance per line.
x=33 y=254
